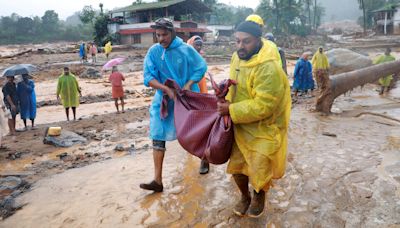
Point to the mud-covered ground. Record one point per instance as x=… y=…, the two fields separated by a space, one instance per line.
x=343 y=169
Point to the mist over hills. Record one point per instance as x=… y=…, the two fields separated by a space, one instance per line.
x=338 y=10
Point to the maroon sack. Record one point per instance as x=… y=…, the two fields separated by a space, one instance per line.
x=200 y=129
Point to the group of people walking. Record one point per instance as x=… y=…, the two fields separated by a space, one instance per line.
x=305 y=72
x=91 y=49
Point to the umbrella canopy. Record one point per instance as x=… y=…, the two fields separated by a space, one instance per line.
x=113 y=62
x=19 y=69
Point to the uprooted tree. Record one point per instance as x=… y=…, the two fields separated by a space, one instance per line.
x=341 y=83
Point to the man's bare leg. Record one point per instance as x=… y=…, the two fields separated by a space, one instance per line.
x=122 y=104
x=116 y=104
x=156 y=185
x=67 y=113
x=74 y=112
x=11 y=126
x=242 y=181
x=158 y=157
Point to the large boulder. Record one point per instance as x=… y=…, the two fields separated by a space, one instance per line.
x=344 y=60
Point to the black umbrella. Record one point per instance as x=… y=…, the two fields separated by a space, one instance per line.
x=19 y=69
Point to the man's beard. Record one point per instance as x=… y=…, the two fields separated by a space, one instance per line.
x=250 y=54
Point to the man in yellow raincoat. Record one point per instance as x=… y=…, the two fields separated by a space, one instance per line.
x=320 y=66
x=68 y=89
x=108 y=48
x=385 y=81
x=259 y=106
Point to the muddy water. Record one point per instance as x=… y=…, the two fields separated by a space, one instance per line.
x=330 y=182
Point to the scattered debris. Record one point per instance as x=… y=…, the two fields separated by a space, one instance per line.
x=329 y=134
x=91 y=73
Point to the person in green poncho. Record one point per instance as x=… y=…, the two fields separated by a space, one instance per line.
x=68 y=89
x=385 y=81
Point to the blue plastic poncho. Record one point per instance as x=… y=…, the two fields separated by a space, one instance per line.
x=82 y=50
x=303 y=79
x=179 y=62
x=27 y=99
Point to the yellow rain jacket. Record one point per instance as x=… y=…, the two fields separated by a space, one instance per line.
x=108 y=48
x=68 y=89
x=260 y=110
x=272 y=49
x=320 y=61
x=385 y=81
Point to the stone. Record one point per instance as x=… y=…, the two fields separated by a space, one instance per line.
x=66 y=139
x=10 y=183
x=91 y=73
x=119 y=147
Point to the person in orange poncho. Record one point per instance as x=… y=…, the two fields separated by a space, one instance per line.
x=116 y=79
x=197 y=43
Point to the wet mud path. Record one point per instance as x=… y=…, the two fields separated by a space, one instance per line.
x=343 y=171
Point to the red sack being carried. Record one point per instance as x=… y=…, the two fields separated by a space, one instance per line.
x=200 y=129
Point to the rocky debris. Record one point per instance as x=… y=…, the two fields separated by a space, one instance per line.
x=119 y=147
x=343 y=60
x=10 y=187
x=15 y=155
x=91 y=73
x=345 y=27
x=66 y=139
x=148 y=92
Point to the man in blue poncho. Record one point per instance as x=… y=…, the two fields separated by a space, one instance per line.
x=27 y=100
x=170 y=58
x=303 y=79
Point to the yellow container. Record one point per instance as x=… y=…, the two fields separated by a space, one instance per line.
x=54 y=131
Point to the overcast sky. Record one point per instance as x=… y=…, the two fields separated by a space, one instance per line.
x=67 y=8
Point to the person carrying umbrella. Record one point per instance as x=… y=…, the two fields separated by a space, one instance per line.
x=11 y=102
x=116 y=79
x=27 y=100
x=68 y=89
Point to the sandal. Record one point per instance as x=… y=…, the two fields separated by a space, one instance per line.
x=152 y=186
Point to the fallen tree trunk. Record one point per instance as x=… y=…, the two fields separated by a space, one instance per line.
x=16 y=54
x=341 y=83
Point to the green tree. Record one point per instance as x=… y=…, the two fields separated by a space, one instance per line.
x=50 y=24
x=7 y=29
x=101 y=29
x=87 y=15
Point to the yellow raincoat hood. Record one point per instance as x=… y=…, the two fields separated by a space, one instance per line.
x=320 y=61
x=260 y=110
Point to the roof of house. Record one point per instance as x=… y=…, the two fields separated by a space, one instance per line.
x=150 y=30
x=185 y=4
x=387 y=7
